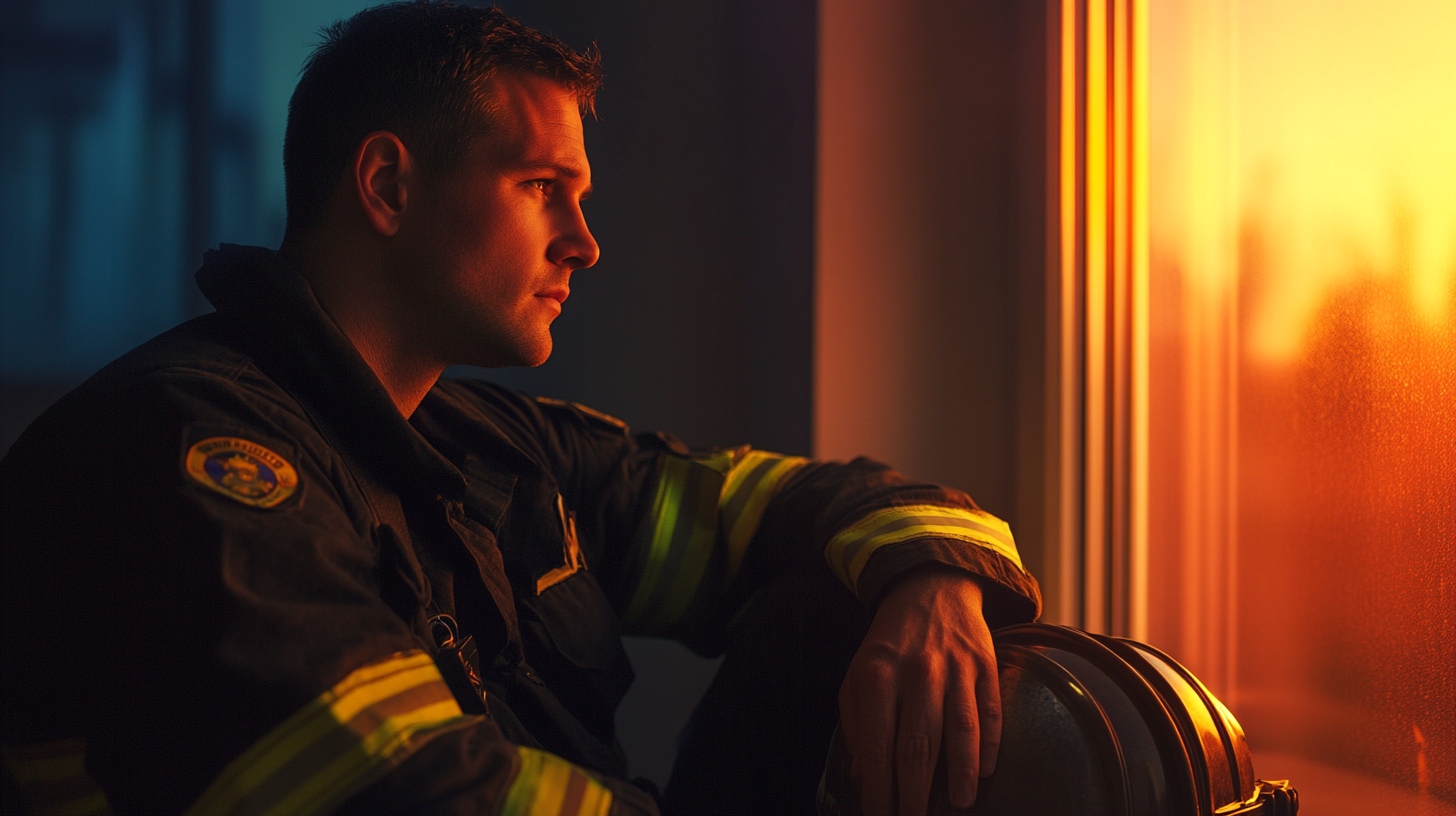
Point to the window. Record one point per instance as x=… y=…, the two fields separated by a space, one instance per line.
x=1302 y=536
x=1255 y=321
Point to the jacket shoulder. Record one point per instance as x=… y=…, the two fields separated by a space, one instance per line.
x=523 y=413
x=122 y=427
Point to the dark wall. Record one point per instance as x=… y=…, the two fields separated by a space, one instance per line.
x=698 y=318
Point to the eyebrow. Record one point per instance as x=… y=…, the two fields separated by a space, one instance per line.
x=564 y=169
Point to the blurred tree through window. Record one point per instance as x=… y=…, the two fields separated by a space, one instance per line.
x=1303 y=380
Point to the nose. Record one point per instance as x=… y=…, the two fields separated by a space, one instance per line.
x=574 y=248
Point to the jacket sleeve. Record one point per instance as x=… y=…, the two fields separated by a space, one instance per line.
x=684 y=538
x=175 y=647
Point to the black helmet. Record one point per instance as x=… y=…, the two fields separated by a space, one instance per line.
x=1095 y=725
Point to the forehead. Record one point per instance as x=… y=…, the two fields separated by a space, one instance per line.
x=537 y=121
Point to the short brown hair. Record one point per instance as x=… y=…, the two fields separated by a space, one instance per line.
x=421 y=71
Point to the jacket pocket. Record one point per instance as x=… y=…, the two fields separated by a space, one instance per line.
x=571 y=636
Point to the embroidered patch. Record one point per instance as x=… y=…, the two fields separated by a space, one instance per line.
x=241 y=470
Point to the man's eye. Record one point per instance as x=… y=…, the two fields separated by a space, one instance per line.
x=540 y=184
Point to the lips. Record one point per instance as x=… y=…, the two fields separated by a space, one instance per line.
x=558 y=295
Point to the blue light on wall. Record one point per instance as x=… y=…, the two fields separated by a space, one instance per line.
x=140 y=132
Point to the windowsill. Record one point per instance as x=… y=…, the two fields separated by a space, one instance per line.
x=1325 y=790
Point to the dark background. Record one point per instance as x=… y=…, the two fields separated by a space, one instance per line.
x=822 y=226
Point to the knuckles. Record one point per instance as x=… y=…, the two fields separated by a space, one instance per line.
x=915 y=750
x=990 y=708
x=962 y=718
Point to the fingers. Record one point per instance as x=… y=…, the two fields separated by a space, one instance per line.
x=894 y=726
x=923 y=681
x=917 y=745
x=963 y=744
x=988 y=703
x=867 y=707
x=972 y=720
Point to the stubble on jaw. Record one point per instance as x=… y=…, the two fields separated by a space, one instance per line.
x=483 y=262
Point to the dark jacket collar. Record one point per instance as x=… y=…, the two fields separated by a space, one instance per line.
x=299 y=346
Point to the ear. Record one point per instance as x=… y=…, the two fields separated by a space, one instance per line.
x=384 y=175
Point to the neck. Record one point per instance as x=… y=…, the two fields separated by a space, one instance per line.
x=353 y=288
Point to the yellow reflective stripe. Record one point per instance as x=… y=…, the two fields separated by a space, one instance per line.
x=51 y=779
x=93 y=804
x=699 y=503
x=679 y=532
x=47 y=761
x=750 y=485
x=339 y=743
x=547 y=785
x=850 y=549
x=657 y=531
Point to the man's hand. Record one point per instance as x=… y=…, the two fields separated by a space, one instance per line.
x=924 y=678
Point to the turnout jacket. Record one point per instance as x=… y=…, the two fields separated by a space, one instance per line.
x=226 y=558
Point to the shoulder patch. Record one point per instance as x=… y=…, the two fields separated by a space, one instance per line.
x=593 y=413
x=241 y=470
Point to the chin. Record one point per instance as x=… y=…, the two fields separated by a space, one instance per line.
x=513 y=355
x=537 y=353
x=537 y=360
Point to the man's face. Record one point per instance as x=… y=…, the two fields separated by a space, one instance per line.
x=489 y=250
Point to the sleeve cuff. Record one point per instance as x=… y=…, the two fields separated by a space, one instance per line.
x=1011 y=594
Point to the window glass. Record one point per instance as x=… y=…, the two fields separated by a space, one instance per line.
x=1302 y=452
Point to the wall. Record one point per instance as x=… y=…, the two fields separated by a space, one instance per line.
x=929 y=297
x=104 y=206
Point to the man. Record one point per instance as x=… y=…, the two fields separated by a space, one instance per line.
x=332 y=582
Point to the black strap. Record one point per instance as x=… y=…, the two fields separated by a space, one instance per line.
x=384 y=505
x=405 y=588
x=402 y=581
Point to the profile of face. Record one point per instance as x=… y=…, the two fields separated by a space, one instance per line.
x=491 y=243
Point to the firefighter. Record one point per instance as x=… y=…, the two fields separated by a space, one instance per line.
x=270 y=562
